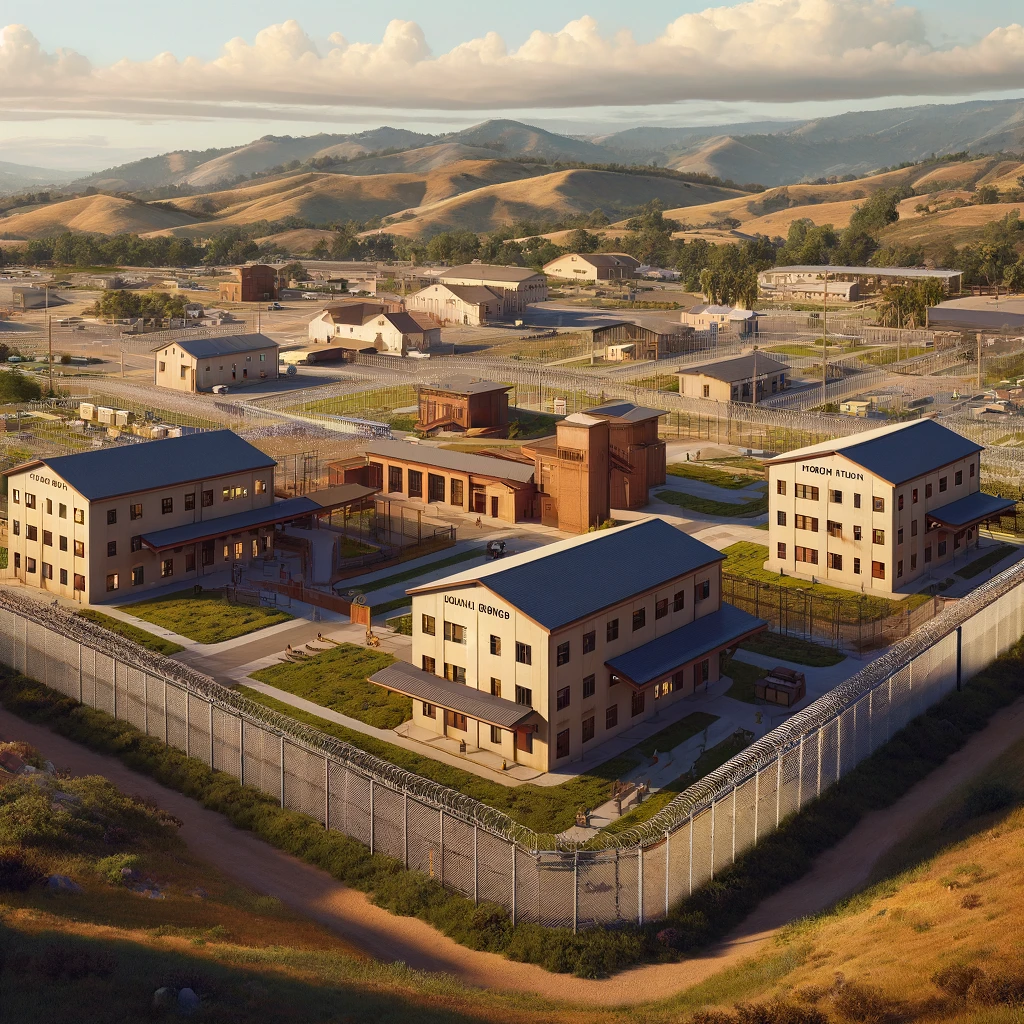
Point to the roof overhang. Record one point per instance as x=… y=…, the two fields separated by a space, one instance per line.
x=970 y=511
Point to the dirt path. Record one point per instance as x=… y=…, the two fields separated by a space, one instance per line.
x=316 y=894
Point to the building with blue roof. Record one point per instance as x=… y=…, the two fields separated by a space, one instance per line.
x=881 y=511
x=575 y=642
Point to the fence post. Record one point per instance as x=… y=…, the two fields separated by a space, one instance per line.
x=405 y=827
x=800 y=776
x=513 y=885
x=81 y=693
x=778 y=787
x=211 y=733
x=241 y=750
x=327 y=792
x=113 y=671
x=821 y=731
x=145 y=699
x=440 y=847
x=690 y=886
x=282 y=769
x=640 y=885
x=476 y=867
x=188 y=730
x=575 y=891
x=668 y=840
x=959 y=656
x=165 y=711
x=371 y=817
x=712 y=838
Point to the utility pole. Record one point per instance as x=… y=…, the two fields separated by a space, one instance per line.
x=824 y=346
x=979 y=360
x=49 y=345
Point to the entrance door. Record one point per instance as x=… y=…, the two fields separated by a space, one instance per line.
x=494 y=507
x=479 y=501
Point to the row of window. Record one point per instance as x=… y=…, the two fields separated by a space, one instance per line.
x=32 y=533
x=31 y=566
x=835 y=529
x=810 y=492
x=62 y=509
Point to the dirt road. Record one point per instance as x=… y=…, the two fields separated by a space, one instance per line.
x=316 y=894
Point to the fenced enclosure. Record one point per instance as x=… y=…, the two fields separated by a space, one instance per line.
x=633 y=876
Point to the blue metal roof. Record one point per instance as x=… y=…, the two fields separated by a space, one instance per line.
x=129 y=469
x=573 y=579
x=975 y=508
x=220 y=345
x=659 y=658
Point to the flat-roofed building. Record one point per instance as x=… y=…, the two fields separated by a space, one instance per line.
x=464 y=405
x=541 y=657
x=809 y=281
x=200 y=364
x=732 y=380
x=878 y=510
x=592 y=267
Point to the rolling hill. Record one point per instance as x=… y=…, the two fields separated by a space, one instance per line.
x=18 y=177
x=98 y=214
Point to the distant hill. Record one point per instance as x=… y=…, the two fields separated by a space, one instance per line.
x=513 y=139
x=19 y=177
x=98 y=214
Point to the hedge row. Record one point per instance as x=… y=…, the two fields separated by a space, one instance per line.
x=703 y=918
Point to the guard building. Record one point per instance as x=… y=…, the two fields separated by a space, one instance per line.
x=464 y=405
x=200 y=364
x=879 y=510
x=542 y=657
x=95 y=524
x=254 y=283
x=733 y=380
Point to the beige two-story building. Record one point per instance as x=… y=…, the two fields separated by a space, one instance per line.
x=542 y=657
x=879 y=510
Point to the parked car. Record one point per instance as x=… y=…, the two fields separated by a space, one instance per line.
x=274 y=305
x=220 y=389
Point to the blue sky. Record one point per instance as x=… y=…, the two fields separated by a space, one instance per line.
x=84 y=109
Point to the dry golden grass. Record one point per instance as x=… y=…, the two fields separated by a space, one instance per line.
x=98 y=214
x=938 y=229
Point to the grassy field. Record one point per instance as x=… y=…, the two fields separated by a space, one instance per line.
x=349 y=547
x=336 y=679
x=710 y=507
x=792 y=648
x=130 y=632
x=743 y=677
x=376 y=404
x=747 y=560
x=207 y=618
x=986 y=561
x=673 y=735
x=411 y=574
x=712 y=475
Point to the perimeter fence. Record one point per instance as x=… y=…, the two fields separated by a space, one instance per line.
x=635 y=875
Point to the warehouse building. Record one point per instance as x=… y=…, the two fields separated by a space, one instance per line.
x=732 y=380
x=592 y=267
x=517 y=286
x=848 y=283
x=470 y=305
x=879 y=510
x=93 y=525
x=200 y=364
x=541 y=657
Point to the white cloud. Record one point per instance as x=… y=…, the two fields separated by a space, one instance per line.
x=761 y=50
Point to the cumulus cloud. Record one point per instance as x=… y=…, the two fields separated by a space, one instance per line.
x=759 y=50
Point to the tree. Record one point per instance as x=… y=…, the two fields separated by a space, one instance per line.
x=16 y=386
x=986 y=195
x=1013 y=276
x=321 y=250
x=582 y=240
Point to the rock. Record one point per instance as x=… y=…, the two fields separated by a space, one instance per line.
x=165 y=999
x=62 y=883
x=49 y=768
x=11 y=762
x=188 y=1001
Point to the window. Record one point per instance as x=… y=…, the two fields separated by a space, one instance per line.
x=31 y=532
x=17 y=560
x=394 y=478
x=780 y=551
x=111 y=516
x=899 y=568
x=30 y=500
x=836 y=497
x=456 y=721
x=878 y=536
x=80 y=516
x=429 y=711
x=702 y=591
x=454 y=673
x=62 y=511
x=588 y=729
x=661 y=608
x=259 y=487
x=79 y=582
x=562 y=699
x=899 y=535
x=612 y=630
x=913 y=527
x=524 y=653
x=167 y=567
x=524 y=696
x=562 y=654
x=928 y=553
x=112 y=581
x=182 y=372
x=706 y=391
x=806 y=523
x=639 y=619
x=138 y=576
x=780 y=518
x=807 y=491
x=111 y=548
x=79 y=549
x=780 y=486
x=190 y=501
x=415 y=483
x=899 y=503
x=856 y=501
x=942 y=482
x=207 y=498
x=834 y=529
x=190 y=562
x=454 y=632
x=835 y=561
x=589 y=686
x=496 y=735
x=429 y=665
x=958 y=477
x=913 y=496
x=878 y=570
x=913 y=562
x=30 y=564
x=927 y=490
x=679 y=601
x=458 y=492
x=231 y=493
x=495 y=687
x=16 y=528
x=878 y=504
x=135 y=511
x=47 y=571
x=806 y=555
x=942 y=548
x=611 y=716
x=63 y=576
x=136 y=542
x=972 y=470
x=562 y=744
x=858 y=534
x=16 y=496
x=495 y=644
x=589 y=641
x=62 y=543
x=162 y=367
x=637 y=704
x=435 y=487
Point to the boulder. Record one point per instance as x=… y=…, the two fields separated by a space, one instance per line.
x=165 y=999
x=188 y=1001
x=62 y=883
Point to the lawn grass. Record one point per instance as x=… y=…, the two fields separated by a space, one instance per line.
x=207 y=617
x=337 y=679
x=411 y=574
x=348 y=547
x=671 y=736
x=524 y=424
x=743 y=677
x=747 y=559
x=140 y=636
x=793 y=648
x=390 y=606
x=711 y=475
x=979 y=565
x=710 y=507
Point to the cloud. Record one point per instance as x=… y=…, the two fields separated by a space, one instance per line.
x=761 y=50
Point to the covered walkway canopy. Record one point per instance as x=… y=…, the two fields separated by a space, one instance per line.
x=970 y=511
x=665 y=655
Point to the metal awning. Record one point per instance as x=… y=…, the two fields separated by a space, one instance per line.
x=402 y=677
x=660 y=657
x=975 y=508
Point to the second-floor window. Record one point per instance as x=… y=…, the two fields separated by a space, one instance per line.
x=524 y=653
x=166 y=505
x=427 y=625
x=562 y=654
x=455 y=633
x=134 y=511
